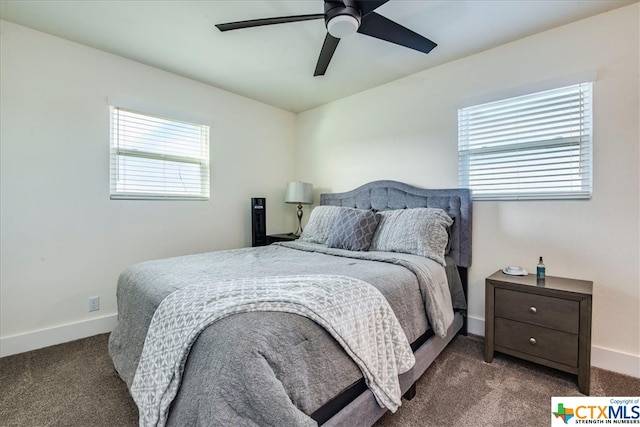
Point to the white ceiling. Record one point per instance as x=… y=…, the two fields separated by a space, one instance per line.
x=274 y=64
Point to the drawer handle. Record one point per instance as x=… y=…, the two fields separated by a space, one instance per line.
x=532 y=341
x=533 y=310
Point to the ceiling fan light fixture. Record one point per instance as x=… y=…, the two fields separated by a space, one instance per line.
x=341 y=26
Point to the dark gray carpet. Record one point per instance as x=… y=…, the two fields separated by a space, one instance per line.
x=74 y=384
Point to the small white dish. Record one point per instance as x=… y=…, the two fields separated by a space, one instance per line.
x=514 y=270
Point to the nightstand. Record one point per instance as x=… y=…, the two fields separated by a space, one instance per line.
x=285 y=237
x=546 y=322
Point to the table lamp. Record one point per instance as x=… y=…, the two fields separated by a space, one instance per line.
x=300 y=193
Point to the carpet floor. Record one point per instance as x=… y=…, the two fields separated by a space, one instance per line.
x=75 y=384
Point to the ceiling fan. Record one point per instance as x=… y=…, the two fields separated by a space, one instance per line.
x=342 y=19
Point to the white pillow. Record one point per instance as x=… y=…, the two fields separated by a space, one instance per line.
x=320 y=224
x=418 y=231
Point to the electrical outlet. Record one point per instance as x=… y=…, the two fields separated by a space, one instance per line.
x=94 y=303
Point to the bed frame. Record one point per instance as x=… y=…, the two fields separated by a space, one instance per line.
x=386 y=195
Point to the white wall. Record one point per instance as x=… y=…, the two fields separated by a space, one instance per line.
x=407 y=131
x=62 y=239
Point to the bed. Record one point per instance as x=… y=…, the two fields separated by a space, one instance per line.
x=280 y=367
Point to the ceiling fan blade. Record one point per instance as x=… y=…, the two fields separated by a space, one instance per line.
x=328 y=48
x=267 y=21
x=368 y=6
x=379 y=27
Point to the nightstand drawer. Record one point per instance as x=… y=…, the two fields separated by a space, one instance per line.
x=542 y=342
x=550 y=312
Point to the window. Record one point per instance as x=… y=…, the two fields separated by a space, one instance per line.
x=158 y=158
x=536 y=146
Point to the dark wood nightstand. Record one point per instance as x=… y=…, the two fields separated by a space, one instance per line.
x=546 y=322
x=286 y=237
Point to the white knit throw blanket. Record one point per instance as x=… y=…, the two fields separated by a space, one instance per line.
x=354 y=312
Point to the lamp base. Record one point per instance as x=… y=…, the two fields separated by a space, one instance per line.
x=298 y=232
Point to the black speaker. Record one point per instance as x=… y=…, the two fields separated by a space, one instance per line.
x=258 y=221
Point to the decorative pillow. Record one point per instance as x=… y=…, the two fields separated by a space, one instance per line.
x=418 y=231
x=353 y=229
x=320 y=224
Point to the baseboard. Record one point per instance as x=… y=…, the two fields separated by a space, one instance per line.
x=615 y=361
x=604 y=358
x=475 y=326
x=57 y=335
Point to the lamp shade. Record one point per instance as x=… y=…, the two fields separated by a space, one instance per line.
x=299 y=192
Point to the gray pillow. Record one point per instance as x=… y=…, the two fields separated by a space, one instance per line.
x=353 y=229
x=320 y=224
x=418 y=231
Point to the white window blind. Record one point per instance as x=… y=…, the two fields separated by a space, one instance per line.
x=158 y=158
x=536 y=146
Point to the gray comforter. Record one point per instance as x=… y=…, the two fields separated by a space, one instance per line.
x=261 y=368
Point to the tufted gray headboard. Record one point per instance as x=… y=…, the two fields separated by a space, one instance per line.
x=385 y=195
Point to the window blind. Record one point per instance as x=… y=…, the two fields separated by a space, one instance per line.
x=537 y=146
x=157 y=158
